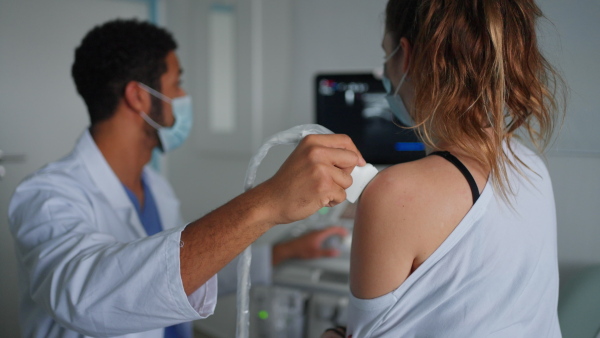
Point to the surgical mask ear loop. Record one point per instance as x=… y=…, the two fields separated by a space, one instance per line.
x=389 y=57
x=158 y=95
x=402 y=79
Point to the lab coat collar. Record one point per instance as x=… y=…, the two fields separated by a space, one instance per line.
x=107 y=182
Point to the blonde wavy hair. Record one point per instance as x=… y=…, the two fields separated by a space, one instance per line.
x=476 y=65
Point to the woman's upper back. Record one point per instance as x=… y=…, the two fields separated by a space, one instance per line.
x=439 y=266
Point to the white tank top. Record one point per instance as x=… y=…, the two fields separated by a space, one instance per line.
x=496 y=275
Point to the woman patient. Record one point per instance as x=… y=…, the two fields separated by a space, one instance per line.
x=461 y=243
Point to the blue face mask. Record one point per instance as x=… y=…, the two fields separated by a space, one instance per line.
x=172 y=137
x=394 y=100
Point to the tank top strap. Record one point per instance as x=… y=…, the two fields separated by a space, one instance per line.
x=466 y=173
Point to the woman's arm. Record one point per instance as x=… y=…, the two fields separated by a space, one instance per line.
x=383 y=248
x=403 y=216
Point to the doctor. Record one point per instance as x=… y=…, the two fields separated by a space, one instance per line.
x=101 y=245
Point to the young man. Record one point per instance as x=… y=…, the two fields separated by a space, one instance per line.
x=100 y=241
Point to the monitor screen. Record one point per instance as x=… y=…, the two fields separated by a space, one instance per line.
x=354 y=104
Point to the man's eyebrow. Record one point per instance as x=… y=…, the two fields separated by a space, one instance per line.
x=180 y=71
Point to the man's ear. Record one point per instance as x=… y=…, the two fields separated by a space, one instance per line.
x=136 y=98
x=406 y=54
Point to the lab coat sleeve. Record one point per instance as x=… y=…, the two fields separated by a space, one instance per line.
x=260 y=270
x=91 y=282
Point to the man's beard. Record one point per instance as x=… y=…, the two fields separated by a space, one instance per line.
x=156 y=113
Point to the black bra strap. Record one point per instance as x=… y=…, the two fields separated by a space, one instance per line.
x=458 y=164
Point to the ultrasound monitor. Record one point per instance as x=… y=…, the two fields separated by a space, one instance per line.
x=354 y=104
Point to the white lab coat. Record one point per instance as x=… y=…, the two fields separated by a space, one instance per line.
x=86 y=265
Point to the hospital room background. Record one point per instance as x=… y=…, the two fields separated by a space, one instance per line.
x=259 y=59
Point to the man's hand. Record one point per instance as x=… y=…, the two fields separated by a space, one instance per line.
x=337 y=332
x=315 y=175
x=308 y=246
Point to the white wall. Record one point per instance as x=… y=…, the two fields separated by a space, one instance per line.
x=203 y=178
x=577 y=191
x=572 y=43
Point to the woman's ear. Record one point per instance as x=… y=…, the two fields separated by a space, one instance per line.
x=406 y=54
x=136 y=98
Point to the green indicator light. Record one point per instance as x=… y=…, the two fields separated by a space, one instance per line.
x=263 y=314
x=324 y=211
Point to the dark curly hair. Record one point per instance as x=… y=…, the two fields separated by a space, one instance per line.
x=115 y=53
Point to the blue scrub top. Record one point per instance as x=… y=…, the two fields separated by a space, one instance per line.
x=151 y=221
x=149 y=215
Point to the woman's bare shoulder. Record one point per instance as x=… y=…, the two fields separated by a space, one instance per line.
x=405 y=181
x=386 y=232
x=418 y=186
x=404 y=214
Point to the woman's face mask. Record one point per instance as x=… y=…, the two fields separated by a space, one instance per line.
x=172 y=137
x=394 y=100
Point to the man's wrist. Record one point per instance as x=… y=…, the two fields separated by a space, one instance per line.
x=262 y=210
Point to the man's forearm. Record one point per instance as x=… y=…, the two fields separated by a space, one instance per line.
x=314 y=175
x=217 y=238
